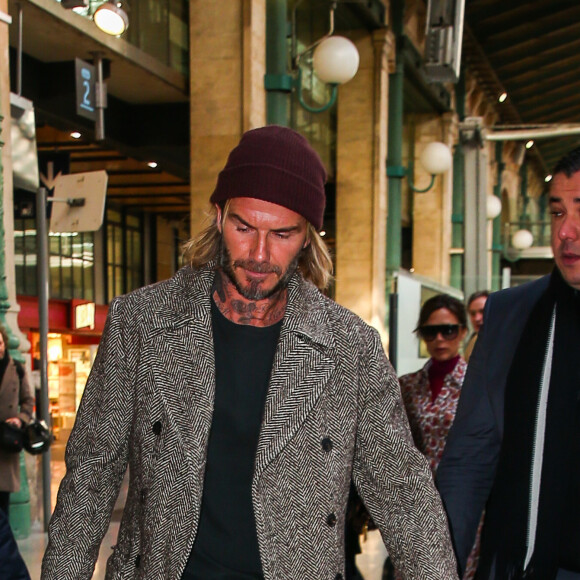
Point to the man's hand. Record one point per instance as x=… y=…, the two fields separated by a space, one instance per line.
x=16 y=421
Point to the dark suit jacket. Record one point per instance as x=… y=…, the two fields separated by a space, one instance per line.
x=467 y=470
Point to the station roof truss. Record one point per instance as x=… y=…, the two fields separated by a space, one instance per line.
x=530 y=50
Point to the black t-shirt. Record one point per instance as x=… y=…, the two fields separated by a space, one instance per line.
x=226 y=546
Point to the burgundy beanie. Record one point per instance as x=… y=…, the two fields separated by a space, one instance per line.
x=278 y=165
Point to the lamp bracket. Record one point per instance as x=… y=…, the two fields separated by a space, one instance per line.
x=425 y=189
x=398 y=172
x=297 y=83
x=296 y=57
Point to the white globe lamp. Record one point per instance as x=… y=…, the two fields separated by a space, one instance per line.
x=522 y=240
x=335 y=60
x=436 y=158
x=493 y=207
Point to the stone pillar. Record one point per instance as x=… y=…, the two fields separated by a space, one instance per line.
x=20 y=515
x=227 y=66
x=8 y=307
x=432 y=210
x=361 y=191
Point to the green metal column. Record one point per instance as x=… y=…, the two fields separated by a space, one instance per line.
x=457 y=216
x=395 y=169
x=496 y=246
x=277 y=82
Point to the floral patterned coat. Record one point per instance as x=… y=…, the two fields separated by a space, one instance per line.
x=431 y=421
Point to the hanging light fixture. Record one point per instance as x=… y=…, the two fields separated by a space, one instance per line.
x=111 y=18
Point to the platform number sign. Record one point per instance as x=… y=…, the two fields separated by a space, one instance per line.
x=85 y=84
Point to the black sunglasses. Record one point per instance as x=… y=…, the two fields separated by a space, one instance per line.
x=447 y=331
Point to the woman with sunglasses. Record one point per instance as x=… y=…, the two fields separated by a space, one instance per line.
x=431 y=394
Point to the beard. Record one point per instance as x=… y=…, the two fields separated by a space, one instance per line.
x=254 y=290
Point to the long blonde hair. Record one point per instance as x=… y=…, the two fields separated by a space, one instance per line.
x=314 y=262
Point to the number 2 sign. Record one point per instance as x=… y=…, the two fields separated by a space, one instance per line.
x=85 y=85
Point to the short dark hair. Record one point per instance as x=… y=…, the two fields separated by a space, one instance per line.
x=569 y=164
x=438 y=301
x=476 y=295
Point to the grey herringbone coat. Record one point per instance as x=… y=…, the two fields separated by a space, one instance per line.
x=148 y=404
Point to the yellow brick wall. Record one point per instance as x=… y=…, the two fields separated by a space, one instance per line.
x=227 y=47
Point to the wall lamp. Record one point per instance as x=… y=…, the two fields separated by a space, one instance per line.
x=435 y=159
x=520 y=240
x=335 y=61
x=493 y=206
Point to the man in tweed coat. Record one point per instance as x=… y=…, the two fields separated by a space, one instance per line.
x=244 y=401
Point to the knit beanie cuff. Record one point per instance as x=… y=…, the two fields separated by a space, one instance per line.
x=277 y=165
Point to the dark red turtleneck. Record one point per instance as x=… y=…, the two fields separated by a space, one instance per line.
x=438 y=370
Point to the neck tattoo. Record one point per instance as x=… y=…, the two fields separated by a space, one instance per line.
x=240 y=310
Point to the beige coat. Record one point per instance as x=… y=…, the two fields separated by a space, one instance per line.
x=16 y=400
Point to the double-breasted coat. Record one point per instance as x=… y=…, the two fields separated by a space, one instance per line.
x=16 y=400
x=333 y=410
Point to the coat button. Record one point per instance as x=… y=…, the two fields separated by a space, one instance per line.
x=326 y=444
x=138 y=561
x=157 y=427
x=331 y=520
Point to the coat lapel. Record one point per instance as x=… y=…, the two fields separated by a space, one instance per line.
x=180 y=346
x=302 y=367
x=182 y=357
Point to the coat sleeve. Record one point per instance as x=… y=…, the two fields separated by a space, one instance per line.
x=393 y=478
x=96 y=455
x=467 y=469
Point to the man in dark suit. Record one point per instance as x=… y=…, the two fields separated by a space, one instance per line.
x=514 y=448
